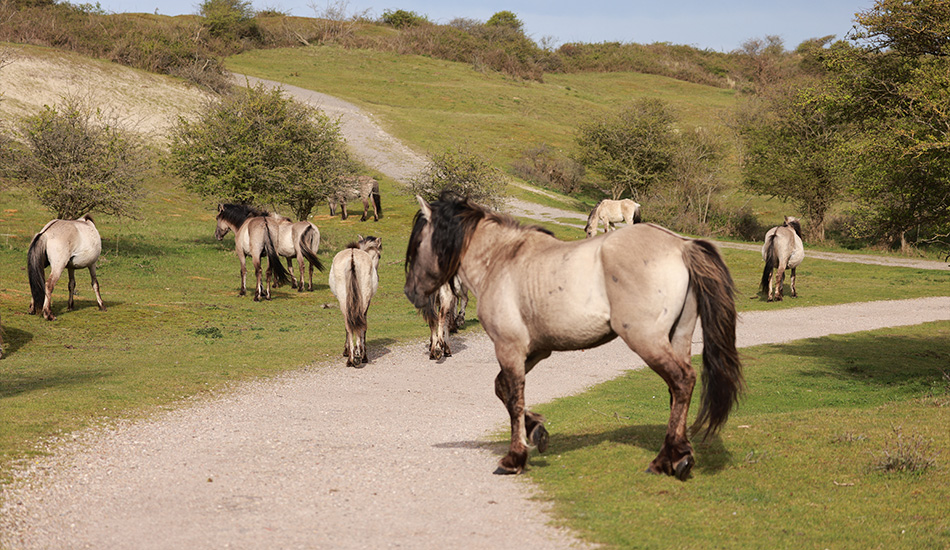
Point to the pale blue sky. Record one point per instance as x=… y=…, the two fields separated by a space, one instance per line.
x=721 y=26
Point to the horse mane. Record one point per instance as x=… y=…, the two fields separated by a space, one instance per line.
x=592 y=215
x=454 y=220
x=237 y=214
x=794 y=224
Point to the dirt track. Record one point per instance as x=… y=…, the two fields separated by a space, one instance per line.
x=392 y=455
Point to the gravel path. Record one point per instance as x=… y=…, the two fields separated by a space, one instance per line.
x=392 y=455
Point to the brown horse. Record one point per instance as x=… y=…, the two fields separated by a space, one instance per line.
x=537 y=294
x=783 y=249
x=354 y=279
x=254 y=235
x=365 y=188
x=62 y=244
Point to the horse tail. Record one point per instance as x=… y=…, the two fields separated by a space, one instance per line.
x=355 y=315
x=378 y=200
x=281 y=275
x=637 y=218
x=306 y=246
x=722 y=370
x=36 y=262
x=771 y=262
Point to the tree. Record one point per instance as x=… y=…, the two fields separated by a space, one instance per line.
x=78 y=161
x=230 y=19
x=632 y=149
x=465 y=174
x=259 y=147
x=891 y=86
x=792 y=150
x=505 y=19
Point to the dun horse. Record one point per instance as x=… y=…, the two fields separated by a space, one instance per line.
x=782 y=250
x=354 y=279
x=365 y=188
x=537 y=294
x=255 y=233
x=299 y=240
x=445 y=313
x=608 y=212
x=68 y=244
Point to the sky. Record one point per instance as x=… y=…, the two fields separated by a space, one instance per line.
x=718 y=26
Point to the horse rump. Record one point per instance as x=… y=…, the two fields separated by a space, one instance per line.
x=36 y=264
x=306 y=247
x=274 y=265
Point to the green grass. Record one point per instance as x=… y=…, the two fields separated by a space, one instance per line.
x=797 y=465
x=436 y=105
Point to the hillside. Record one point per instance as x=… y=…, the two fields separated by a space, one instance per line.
x=146 y=102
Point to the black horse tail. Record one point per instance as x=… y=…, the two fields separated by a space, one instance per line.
x=771 y=262
x=355 y=315
x=306 y=246
x=379 y=202
x=36 y=262
x=637 y=218
x=722 y=370
x=274 y=265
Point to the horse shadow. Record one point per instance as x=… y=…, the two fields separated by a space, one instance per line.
x=711 y=454
x=379 y=347
x=14 y=384
x=13 y=340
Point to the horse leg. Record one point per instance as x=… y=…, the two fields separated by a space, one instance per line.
x=363 y=353
x=310 y=268
x=779 y=282
x=72 y=287
x=54 y=275
x=676 y=453
x=259 y=289
x=794 y=292
x=95 y=287
x=290 y=269
x=365 y=210
x=243 y=276
x=509 y=387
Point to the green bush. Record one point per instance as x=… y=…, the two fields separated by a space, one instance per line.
x=402 y=19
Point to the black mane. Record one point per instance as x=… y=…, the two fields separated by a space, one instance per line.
x=237 y=214
x=796 y=225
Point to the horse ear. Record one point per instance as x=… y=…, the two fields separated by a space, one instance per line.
x=220 y=207
x=424 y=208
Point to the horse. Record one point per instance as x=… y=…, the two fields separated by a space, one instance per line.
x=537 y=294
x=608 y=212
x=299 y=240
x=68 y=244
x=783 y=249
x=354 y=279
x=255 y=233
x=445 y=313
x=365 y=188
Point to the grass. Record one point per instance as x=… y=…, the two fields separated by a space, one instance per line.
x=802 y=463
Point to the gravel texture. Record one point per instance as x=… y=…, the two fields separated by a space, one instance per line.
x=395 y=455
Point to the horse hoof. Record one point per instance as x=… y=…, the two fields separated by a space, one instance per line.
x=539 y=437
x=502 y=471
x=683 y=468
x=435 y=355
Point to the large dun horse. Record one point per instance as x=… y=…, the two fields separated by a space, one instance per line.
x=609 y=212
x=537 y=294
x=68 y=244
x=354 y=279
x=782 y=250
x=366 y=189
x=299 y=240
x=255 y=235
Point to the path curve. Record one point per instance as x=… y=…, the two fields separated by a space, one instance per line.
x=391 y=455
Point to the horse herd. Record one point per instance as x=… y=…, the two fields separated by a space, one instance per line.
x=536 y=294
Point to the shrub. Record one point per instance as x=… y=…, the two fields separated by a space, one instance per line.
x=463 y=173
x=79 y=161
x=543 y=166
x=402 y=19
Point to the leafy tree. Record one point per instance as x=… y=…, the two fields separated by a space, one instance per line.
x=505 y=19
x=259 y=147
x=78 y=161
x=464 y=173
x=230 y=19
x=891 y=86
x=402 y=19
x=632 y=149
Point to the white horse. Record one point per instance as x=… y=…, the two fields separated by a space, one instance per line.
x=62 y=244
x=608 y=212
x=298 y=240
x=354 y=279
x=783 y=249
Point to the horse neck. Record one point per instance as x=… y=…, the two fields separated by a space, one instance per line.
x=490 y=246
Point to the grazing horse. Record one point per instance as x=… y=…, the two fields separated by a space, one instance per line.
x=365 y=188
x=445 y=313
x=537 y=294
x=62 y=244
x=782 y=250
x=354 y=280
x=608 y=212
x=299 y=240
x=255 y=233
